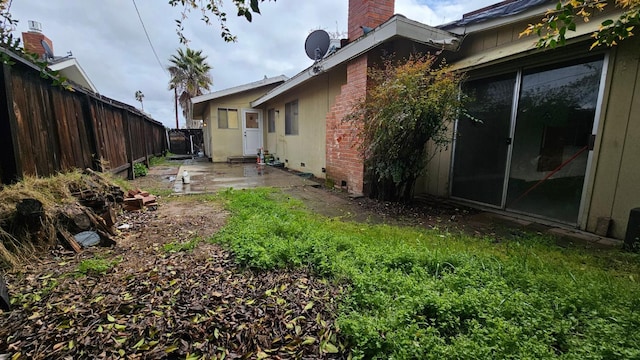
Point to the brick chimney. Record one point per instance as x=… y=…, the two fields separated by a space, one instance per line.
x=32 y=39
x=344 y=165
x=370 y=13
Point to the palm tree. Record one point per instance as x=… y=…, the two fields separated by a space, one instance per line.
x=189 y=77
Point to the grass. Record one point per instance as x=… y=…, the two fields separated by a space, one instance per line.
x=418 y=294
x=176 y=246
x=161 y=160
x=96 y=266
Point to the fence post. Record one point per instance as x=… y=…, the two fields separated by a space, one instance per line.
x=145 y=125
x=128 y=144
x=93 y=137
x=11 y=166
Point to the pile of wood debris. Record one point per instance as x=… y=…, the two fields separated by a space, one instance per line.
x=39 y=213
x=138 y=200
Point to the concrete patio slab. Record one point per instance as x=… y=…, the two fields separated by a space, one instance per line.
x=208 y=177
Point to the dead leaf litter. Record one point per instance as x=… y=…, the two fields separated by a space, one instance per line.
x=157 y=300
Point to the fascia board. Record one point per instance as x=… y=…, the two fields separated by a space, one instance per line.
x=72 y=62
x=537 y=11
x=519 y=49
x=398 y=26
x=238 y=89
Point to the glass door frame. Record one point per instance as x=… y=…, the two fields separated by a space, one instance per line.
x=588 y=177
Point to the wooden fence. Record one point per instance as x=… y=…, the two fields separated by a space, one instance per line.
x=186 y=141
x=45 y=129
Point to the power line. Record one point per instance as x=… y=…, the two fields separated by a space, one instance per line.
x=148 y=38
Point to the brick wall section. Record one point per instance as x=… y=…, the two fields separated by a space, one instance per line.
x=344 y=162
x=31 y=41
x=369 y=13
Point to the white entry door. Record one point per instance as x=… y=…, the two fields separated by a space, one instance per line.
x=251 y=131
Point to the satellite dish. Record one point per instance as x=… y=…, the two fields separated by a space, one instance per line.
x=48 y=53
x=317 y=44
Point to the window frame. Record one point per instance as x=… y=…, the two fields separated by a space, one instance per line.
x=291 y=118
x=271 y=121
x=226 y=111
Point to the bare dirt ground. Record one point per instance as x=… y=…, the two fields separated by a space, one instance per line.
x=165 y=293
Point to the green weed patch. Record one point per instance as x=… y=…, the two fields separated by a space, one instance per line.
x=177 y=246
x=96 y=266
x=418 y=294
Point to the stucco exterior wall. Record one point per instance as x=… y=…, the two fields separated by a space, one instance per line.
x=228 y=142
x=308 y=147
x=616 y=174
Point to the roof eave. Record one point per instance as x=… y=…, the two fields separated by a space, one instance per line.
x=495 y=22
x=397 y=26
x=238 y=89
x=72 y=62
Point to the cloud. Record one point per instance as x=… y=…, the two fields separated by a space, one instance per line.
x=107 y=39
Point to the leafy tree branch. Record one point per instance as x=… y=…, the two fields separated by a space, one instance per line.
x=214 y=8
x=552 y=29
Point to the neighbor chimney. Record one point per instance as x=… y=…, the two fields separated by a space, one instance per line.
x=369 y=13
x=33 y=39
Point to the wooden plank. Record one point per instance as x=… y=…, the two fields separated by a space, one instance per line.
x=121 y=168
x=54 y=118
x=23 y=127
x=85 y=136
x=94 y=130
x=10 y=168
x=90 y=128
x=127 y=126
x=64 y=139
x=68 y=240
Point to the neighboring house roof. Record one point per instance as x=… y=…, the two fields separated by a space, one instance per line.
x=198 y=102
x=397 y=26
x=71 y=69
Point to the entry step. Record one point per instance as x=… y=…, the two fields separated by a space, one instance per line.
x=241 y=159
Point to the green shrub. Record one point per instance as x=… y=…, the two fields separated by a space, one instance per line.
x=140 y=169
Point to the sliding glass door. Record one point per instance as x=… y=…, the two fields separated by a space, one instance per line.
x=534 y=159
x=556 y=110
x=482 y=140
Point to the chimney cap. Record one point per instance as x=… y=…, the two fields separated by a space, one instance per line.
x=35 y=26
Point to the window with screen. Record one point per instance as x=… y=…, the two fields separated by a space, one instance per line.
x=291 y=118
x=271 y=120
x=227 y=118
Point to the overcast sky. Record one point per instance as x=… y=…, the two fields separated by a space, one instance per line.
x=107 y=39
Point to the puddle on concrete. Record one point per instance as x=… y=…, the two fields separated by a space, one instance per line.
x=208 y=177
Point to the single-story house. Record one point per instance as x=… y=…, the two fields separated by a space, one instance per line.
x=231 y=127
x=557 y=137
x=36 y=42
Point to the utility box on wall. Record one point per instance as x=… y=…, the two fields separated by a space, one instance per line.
x=632 y=239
